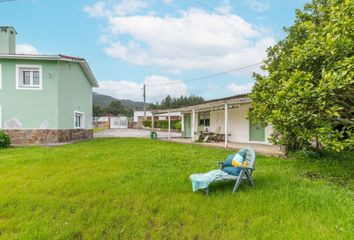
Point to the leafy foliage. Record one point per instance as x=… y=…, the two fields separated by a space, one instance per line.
x=163 y=124
x=182 y=101
x=115 y=108
x=308 y=95
x=5 y=140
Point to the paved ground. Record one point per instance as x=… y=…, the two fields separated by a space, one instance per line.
x=138 y=133
x=264 y=149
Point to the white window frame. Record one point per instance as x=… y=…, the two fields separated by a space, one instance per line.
x=82 y=120
x=0 y=117
x=29 y=87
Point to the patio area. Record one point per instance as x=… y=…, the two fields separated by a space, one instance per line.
x=261 y=148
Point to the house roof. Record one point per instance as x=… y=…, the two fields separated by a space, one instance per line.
x=60 y=57
x=213 y=104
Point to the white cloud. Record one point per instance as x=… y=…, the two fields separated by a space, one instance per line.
x=257 y=5
x=194 y=40
x=26 y=49
x=97 y=10
x=157 y=88
x=240 y=88
x=123 y=8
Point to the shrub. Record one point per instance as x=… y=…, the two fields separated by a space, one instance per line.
x=163 y=124
x=5 y=140
x=147 y=123
x=178 y=125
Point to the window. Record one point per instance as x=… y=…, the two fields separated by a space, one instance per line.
x=79 y=120
x=204 y=119
x=28 y=77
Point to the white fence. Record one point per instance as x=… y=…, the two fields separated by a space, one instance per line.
x=119 y=122
x=100 y=119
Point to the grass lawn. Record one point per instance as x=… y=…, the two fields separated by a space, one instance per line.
x=139 y=189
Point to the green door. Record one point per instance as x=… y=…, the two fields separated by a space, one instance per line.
x=187 y=126
x=256 y=133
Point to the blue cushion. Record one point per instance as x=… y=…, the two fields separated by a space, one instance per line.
x=228 y=161
x=232 y=170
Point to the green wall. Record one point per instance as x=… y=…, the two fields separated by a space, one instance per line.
x=65 y=89
x=34 y=109
x=75 y=94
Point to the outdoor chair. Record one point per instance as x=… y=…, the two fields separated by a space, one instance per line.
x=198 y=134
x=228 y=172
x=214 y=135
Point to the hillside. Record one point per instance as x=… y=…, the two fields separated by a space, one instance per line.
x=104 y=101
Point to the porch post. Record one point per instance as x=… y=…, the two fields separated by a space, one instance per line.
x=182 y=124
x=152 y=121
x=169 y=125
x=226 y=125
x=193 y=122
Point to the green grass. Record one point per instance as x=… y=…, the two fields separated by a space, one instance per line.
x=139 y=189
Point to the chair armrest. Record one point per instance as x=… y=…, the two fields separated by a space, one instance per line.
x=221 y=163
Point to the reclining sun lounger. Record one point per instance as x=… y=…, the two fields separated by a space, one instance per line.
x=236 y=167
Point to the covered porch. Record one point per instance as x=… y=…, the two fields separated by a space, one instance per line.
x=222 y=123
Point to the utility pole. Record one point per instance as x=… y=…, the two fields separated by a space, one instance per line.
x=144 y=95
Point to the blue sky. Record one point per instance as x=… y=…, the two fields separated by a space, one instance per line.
x=162 y=43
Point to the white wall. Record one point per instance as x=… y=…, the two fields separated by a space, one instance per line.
x=238 y=124
x=141 y=114
x=162 y=116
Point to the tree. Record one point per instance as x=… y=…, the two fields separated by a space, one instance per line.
x=308 y=95
x=182 y=101
x=97 y=111
x=114 y=108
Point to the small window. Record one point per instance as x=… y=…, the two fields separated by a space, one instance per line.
x=204 y=119
x=29 y=77
x=79 y=120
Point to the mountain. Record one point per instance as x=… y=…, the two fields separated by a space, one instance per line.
x=104 y=101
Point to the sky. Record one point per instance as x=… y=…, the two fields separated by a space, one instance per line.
x=168 y=45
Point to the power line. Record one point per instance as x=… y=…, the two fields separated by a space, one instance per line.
x=214 y=10
x=240 y=69
x=2 y=1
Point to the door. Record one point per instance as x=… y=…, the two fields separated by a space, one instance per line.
x=257 y=133
x=187 y=126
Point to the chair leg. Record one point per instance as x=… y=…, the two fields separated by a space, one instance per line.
x=250 y=179
x=238 y=182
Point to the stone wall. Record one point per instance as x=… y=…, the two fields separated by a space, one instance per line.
x=101 y=125
x=45 y=136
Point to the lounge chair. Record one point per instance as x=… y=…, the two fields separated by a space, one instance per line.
x=240 y=173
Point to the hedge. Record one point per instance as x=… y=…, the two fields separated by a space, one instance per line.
x=163 y=124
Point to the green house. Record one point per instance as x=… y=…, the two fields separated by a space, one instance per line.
x=43 y=98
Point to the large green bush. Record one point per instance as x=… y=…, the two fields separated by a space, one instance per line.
x=5 y=140
x=308 y=95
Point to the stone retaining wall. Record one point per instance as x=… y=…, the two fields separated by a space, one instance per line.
x=44 y=136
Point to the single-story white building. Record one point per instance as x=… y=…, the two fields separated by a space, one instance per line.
x=227 y=116
x=139 y=116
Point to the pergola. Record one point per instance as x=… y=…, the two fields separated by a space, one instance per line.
x=210 y=105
